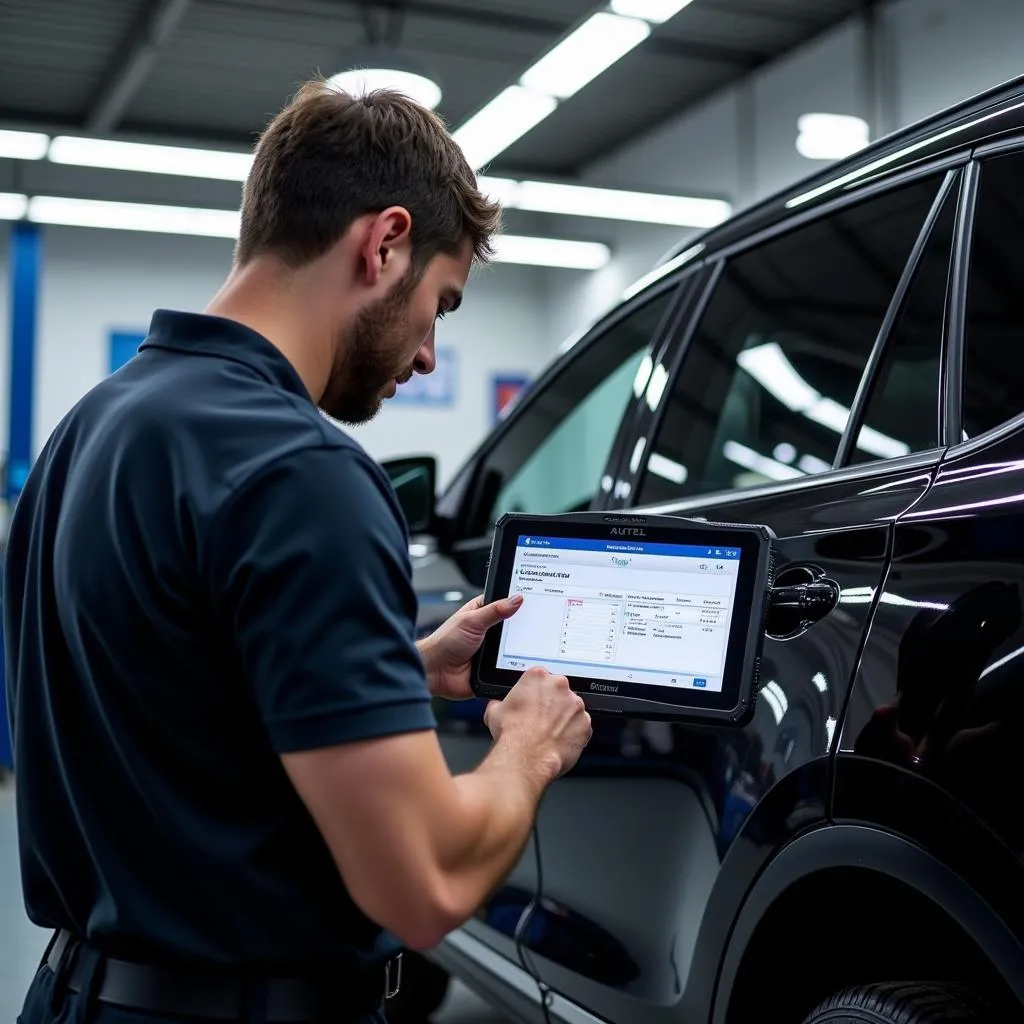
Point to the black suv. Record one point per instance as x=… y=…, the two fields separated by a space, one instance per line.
x=838 y=363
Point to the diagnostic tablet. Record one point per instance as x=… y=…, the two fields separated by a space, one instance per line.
x=654 y=617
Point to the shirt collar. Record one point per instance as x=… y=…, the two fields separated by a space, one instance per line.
x=202 y=334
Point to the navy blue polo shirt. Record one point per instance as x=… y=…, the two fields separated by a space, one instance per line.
x=202 y=574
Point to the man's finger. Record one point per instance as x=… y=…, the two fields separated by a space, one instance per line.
x=497 y=611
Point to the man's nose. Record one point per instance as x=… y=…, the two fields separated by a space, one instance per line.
x=426 y=358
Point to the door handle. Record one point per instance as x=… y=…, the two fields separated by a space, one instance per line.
x=796 y=606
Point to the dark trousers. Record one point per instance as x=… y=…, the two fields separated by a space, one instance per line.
x=49 y=1001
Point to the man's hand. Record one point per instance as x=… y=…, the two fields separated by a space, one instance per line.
x=448 y=651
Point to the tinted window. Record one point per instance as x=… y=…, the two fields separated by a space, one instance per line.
x=994 y=356
x=903 y=410
x=553 y=454
x=766 y=389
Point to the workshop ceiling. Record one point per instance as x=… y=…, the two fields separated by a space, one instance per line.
x=216 y=70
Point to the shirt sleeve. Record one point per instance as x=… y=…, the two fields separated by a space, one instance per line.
x=311 y=576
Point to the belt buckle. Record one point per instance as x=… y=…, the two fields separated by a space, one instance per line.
x=391 y=991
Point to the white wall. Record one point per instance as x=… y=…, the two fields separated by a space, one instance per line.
x=95 y=281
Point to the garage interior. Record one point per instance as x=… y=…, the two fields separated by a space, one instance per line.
x=607 y=157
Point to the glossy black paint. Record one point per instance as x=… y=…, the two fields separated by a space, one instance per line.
x=935 y=730
x=902 y=710
x=715 y=781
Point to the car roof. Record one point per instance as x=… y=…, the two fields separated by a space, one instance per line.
x=983 y=118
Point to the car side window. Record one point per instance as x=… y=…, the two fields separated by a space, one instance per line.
x=766 y=388
x=994 y=340
x=903 y=409
x=551 y=458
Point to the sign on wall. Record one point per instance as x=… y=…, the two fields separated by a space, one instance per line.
x=507 y=388
x=434 y=389
x=123 y=346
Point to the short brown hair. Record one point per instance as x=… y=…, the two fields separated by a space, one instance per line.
x=330 y=157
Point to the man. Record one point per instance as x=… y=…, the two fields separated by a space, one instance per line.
x=230 y=791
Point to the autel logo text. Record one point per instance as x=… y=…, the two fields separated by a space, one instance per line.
x=628 y=531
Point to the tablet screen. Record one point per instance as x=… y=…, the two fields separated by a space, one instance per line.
x=634 y=612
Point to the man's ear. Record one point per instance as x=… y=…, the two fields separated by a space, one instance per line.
x=387 y=245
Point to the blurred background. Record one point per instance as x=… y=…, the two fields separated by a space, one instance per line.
x=612 y=132
x=694 y=109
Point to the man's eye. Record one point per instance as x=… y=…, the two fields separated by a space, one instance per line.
x=441 y=313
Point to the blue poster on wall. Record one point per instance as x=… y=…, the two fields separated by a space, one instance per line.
x=123 y=346
x=434 y=389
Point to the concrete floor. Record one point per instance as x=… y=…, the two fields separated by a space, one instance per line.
x=21 y=943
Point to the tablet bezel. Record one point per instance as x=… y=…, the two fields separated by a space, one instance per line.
x=734 y=702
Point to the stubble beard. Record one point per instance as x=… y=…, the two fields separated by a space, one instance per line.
x=370 y=356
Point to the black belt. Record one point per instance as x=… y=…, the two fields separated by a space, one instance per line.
x=173 y=992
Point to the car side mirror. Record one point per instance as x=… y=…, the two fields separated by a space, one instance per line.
x=472 y=557
x=415 y=482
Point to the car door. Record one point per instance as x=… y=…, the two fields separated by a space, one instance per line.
x=933 y=739
x=550 y=455
x=648 y=847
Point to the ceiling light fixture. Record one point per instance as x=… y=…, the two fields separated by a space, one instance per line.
x=12 y=205
x=188 y=220
x=387 y=68
x=831 y=136
x=115 y=155
x=99 y=213
x=655 y=11
x=593 y=47
x=607 y=203
x=508 y=117
x=551 y=252
x=23 y=145
x=578 y=59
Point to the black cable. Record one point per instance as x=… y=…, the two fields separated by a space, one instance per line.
x=525 y=918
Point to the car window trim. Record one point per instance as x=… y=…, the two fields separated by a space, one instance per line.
x=870 y=376
x=716 y=264
x=999 y=147
x=468 y=505
x=661 y=354
x=952 y=370
x=840 y=202
x=866 y=471
x=623 y=476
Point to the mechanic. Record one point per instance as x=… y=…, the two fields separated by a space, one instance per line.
x=231 y=798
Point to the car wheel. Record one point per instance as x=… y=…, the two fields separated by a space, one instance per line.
x=904 y=1003
x=424 y=987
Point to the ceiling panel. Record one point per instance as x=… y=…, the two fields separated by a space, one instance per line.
x=229 y=65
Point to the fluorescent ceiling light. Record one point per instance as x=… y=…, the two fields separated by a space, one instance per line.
x=578 y=59
x=12 y=205
x=95 y=213
x=606 y=203
x=746 y=457
x=188 y=220
x=359 y=81
x=509 y=116
x=138 y=156
x=23 y=145
x=768 y=365
x=616 y=204
x=667 y=469
x=656 y=11
x=551 y=252
x=831 y=136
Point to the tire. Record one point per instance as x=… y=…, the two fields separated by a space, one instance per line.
x=905 y=1003
x=423 y=990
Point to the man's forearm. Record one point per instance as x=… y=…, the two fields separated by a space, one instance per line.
x=499 y=803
